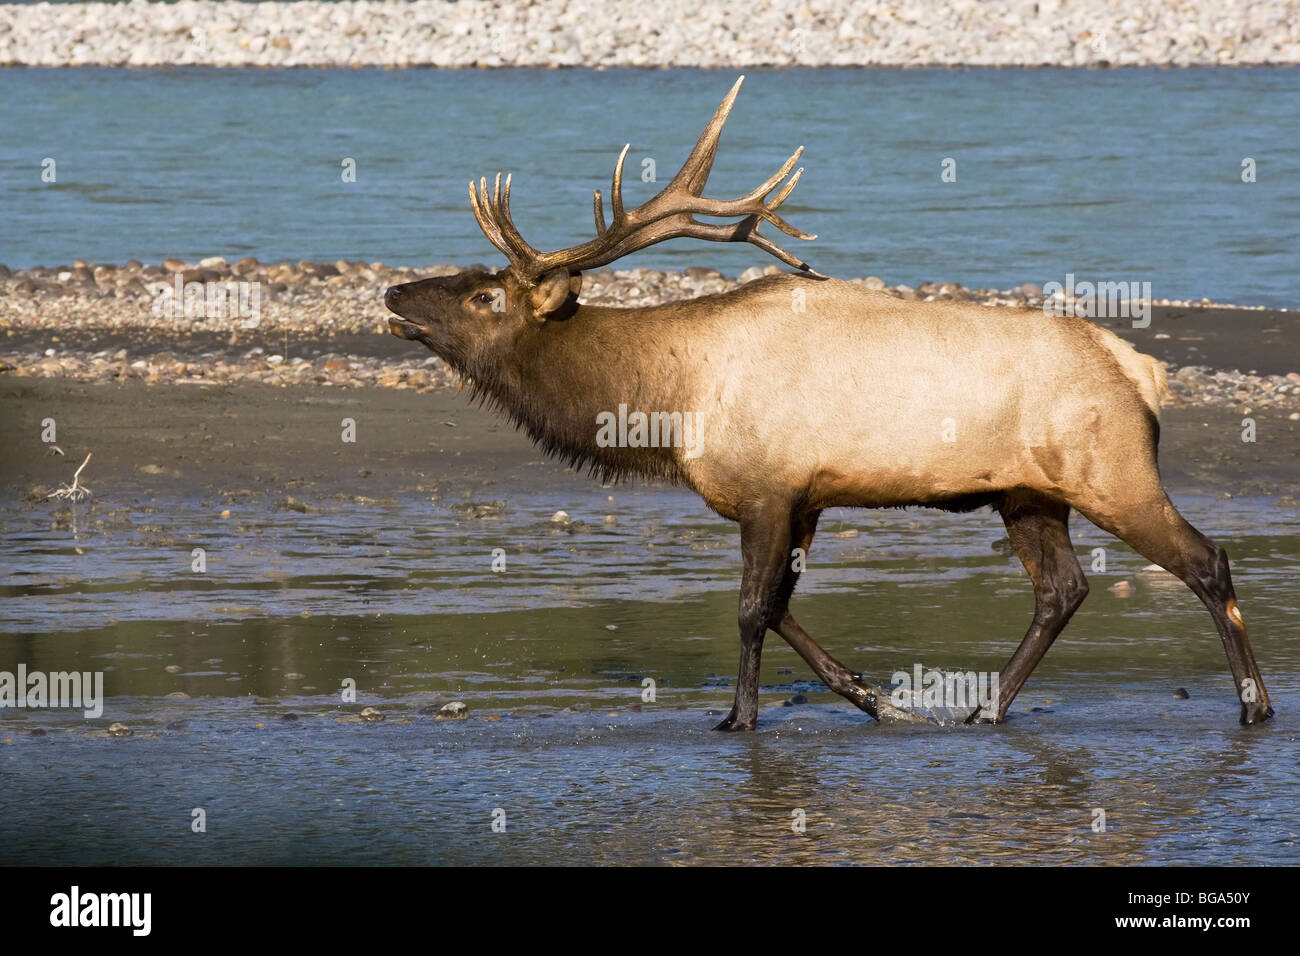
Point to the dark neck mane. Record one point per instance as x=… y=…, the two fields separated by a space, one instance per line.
x=563 y=374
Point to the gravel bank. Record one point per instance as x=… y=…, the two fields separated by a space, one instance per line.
x=494 y=33
x=324 y=324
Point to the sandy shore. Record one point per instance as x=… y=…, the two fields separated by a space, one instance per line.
x=688 y=33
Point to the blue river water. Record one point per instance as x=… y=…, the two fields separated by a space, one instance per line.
x=1132 y=174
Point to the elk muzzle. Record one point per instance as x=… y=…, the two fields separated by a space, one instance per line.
x=395 y=297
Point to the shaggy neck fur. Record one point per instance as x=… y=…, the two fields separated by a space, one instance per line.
x=564 y=373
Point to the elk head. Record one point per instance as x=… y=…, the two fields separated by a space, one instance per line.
x=474 y=319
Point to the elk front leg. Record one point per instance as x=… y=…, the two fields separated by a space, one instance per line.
x=765 y=546
x=836 y=676
x=832 y=673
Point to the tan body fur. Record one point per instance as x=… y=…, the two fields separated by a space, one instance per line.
x=856 y=400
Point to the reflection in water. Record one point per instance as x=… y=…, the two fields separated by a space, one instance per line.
x=401 y=598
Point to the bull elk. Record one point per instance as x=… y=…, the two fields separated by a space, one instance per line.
x=842 y=403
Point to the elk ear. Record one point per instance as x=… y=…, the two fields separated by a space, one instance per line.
x=552 y=291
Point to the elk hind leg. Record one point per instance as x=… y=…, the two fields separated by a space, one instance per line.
x=1039 y=530
x=1152 y=526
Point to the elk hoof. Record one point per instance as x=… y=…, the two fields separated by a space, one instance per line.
x=1256 y=713
x=731 y=723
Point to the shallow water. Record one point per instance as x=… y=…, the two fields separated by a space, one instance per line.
x=551 y=654
x=1114 y=175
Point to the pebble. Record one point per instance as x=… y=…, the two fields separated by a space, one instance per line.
x=119 y=729
x=372 y=714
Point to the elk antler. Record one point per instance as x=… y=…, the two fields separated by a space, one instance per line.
x=669 y=215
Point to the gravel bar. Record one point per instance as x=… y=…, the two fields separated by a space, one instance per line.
x=678 y=33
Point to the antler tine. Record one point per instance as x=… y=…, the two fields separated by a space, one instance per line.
x=522 y=249
x=695 y=171
x=779 y=222
x=484 y=219
x=616 y=191
x=746 y=229
x=767 y=245
x=615 y=198
x=756 y=202
x=493 y=218
x=770 y=183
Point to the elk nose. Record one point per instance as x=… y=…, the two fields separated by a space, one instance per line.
x=393 y=295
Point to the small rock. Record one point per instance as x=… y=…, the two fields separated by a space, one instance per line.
x=290 y=503
x=456 y=710
x=119 y=729
x=1181 y=694
x=372 y=714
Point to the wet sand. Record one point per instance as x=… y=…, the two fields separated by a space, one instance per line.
x=167 y=440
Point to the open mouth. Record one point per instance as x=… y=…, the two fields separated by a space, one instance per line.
x=403 y=328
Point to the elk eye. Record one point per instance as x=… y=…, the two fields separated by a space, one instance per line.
x=482 y=298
